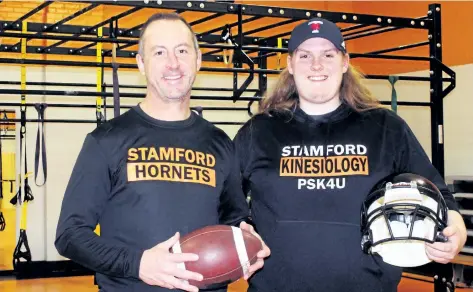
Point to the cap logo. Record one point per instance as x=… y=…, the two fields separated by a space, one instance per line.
x=315 y=26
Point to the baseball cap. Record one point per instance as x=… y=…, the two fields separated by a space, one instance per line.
x=316 y=28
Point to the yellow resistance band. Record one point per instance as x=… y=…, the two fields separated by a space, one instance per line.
x=98 y=100
x=279 y=54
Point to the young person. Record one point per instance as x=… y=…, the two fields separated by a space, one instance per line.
x=306 y=210
x=155 y=172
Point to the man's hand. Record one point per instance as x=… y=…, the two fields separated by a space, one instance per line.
x=264 y=253
x=445 y=252
x=159 y=267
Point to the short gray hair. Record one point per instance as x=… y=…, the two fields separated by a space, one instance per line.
x=164 y=16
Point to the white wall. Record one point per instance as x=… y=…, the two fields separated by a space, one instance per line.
x=63 y=141
x=458 y=117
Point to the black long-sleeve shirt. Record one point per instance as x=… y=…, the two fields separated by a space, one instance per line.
x=308 y=177
x=142 y=180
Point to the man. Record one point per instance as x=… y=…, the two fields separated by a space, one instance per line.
x=310 y=158
x=151 y=174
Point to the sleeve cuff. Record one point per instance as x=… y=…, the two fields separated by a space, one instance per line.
x=133 y=270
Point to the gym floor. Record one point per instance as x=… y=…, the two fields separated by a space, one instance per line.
x=85 y=284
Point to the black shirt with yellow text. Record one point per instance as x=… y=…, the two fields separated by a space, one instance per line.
x=143 y=180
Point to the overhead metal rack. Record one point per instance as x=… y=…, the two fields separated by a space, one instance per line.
x=244 y=43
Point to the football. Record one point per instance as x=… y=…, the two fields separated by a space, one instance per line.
x=225 y=253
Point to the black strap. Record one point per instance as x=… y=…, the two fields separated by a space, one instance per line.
x=18 y=254
x=115 y=66
x=28 y=193
x=18 y=197
x=3 y=223
x=2 y=219
x=40 y=147
x=116 y=91
x=393 y=79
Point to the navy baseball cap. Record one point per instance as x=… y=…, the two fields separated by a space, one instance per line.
x=316 y=28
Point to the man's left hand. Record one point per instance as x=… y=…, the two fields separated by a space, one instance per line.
x=263 y=253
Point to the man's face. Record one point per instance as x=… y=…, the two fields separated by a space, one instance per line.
x=318 y=67
x=170 y=62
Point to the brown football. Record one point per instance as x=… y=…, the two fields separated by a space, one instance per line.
x=225 y=253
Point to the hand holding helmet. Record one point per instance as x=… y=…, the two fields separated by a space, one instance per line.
x=445 y=252
x=404 y=219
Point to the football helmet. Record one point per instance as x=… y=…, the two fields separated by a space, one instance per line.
x=400 y=214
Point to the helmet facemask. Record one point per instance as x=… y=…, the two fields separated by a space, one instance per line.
x=399 y=217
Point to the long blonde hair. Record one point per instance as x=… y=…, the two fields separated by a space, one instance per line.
x=284 y=96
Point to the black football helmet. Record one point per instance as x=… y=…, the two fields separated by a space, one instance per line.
x=400 y=214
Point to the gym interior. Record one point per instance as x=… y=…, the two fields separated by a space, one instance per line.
x=68 y=66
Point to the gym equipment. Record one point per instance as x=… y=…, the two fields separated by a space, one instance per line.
x=392 y=81
x=2 y=218
x=228 y=39
x=245 y=42
x=40 y=145
x=24 y=188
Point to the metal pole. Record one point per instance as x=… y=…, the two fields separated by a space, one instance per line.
x=436 y=87
x=67 y=105
x=443 y=273
x=121 y=85
x=105 y=94
x=66 y=121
